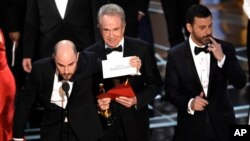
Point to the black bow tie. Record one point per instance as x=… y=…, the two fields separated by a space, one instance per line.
x=109 y=50
x=197 y=50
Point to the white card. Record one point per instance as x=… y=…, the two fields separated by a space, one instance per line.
x=119 y=67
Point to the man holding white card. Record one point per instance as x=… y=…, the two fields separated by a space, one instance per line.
x=130 y=114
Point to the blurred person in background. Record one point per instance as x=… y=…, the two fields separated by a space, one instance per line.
x=49 y=21
x=174 y=12
x=11 y=21
x=246 y=8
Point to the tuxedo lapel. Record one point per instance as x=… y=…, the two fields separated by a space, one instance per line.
x=69 y=5
x=101 y=51
x=54 y=7
x=74 y=90
x=76 y=80
x=49 y=77
x=191 y=66
x=213 y=65
x=128 y=48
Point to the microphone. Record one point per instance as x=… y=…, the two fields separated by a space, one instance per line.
x=65 y=87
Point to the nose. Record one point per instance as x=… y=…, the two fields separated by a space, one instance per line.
x=66 y=70
x=111 y=34
x=208 y=30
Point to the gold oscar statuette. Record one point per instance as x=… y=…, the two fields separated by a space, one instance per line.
x=105 y=113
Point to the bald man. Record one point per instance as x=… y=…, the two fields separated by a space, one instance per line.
x=63 y=86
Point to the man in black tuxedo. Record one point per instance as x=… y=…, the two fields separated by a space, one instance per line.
x=197 y=74
x=49 y=21
x=70 y=112
x=130 y=115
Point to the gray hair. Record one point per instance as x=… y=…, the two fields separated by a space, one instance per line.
x=111 y=9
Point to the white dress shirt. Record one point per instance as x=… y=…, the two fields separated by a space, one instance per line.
x=202 y=65
x=61 y=6
x=58 y=96
x=115 y=54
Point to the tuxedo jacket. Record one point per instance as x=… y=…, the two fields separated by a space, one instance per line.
x=182 y=83
x=81 y=107
x=44 y=26
x=146 y=86
x=175 y=15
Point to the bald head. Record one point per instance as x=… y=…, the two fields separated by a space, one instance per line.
x=63 y=46
x=66 y=57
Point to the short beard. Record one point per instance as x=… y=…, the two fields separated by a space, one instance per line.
x=205 y=40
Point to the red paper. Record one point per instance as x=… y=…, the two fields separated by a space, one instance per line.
x=120 y=90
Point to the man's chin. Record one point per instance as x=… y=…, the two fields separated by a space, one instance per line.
x=66 y=78
x=206 y=41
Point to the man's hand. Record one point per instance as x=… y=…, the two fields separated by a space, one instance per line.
x=216 y=49
x=126 y=101
x=135 y=62
x=140 y=15
x=27 y=66
x=104 y=103
x=199 y=103
x=14 y=36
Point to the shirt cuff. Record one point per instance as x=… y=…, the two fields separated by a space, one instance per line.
x=18 y=139
x=221 y=63
x=141 y=13
x=189 y=110
x=135 y=106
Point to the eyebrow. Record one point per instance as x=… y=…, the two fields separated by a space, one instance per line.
x=67 y=64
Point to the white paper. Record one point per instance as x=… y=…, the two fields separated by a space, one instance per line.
x=13 y=54
x=119 y=67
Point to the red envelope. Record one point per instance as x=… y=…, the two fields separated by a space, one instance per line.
x=120 y=90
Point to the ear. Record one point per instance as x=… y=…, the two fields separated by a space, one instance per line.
x=189 y=27
x=77 y=55
x=124 y=26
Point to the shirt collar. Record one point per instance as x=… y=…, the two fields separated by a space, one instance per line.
x=193 y=44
